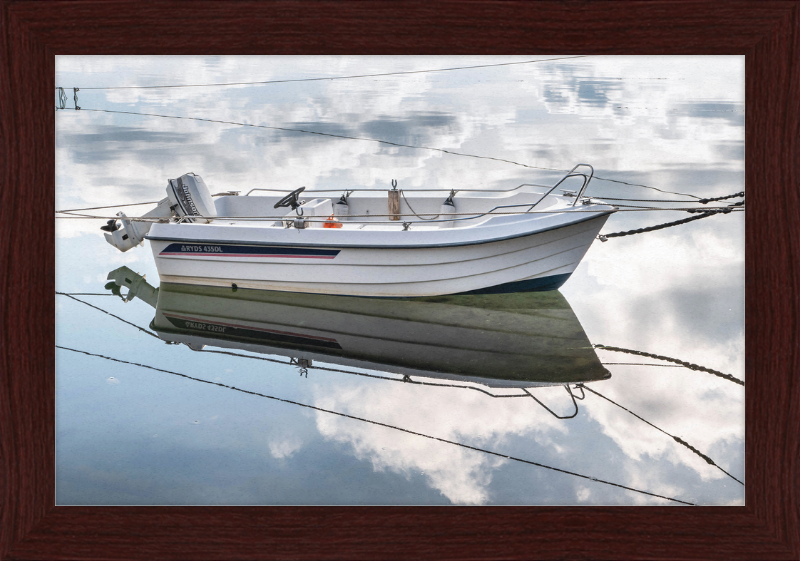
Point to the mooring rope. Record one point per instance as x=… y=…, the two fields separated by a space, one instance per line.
x=675 y=438
x=414 y=212
x=685 y=364
x=304 y=131
x=400 y=429
x=594 y=197
x=734 y=196
x=644 y=186
x=469 y=215
x=703 y=214
x=85 y=294
x=441 y=150
x=700 y=201
x=110 y=314
x=107 y=206
x=642 y=364
x=382 y=74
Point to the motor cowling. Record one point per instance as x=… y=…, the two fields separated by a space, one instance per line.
x=190 y=197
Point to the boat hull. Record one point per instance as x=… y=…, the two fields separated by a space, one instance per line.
x=539 y=260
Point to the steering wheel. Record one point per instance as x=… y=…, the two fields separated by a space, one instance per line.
x=290 y=199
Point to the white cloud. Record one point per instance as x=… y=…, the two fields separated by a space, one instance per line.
x=630 y=292
x=284 y=448
x=461 y=475
x=488 y=120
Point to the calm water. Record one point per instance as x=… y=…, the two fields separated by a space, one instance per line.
x=390 y=412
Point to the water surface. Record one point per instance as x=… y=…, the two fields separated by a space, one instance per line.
x=370 y=423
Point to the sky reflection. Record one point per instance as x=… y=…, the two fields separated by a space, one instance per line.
x=128 y=435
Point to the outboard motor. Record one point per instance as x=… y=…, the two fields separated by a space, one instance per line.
x=192 y=197
x=187 y=197
x=137 y=286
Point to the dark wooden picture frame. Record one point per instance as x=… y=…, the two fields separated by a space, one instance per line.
x=767 y=33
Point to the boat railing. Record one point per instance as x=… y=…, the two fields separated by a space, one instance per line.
x=370 y=217
x=586 y=180
x=587 y=177
x=370 y=190
x=571 y=173
x=572 y=395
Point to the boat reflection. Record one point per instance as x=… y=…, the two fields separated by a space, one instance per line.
x=522 y=340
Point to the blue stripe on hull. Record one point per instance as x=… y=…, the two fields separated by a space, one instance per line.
x=540 y=284
x=226 y=250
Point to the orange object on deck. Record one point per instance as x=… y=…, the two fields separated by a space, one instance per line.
x=331 y=222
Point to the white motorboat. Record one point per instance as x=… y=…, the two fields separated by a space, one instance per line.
x=368 y=242
x=522 y=340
